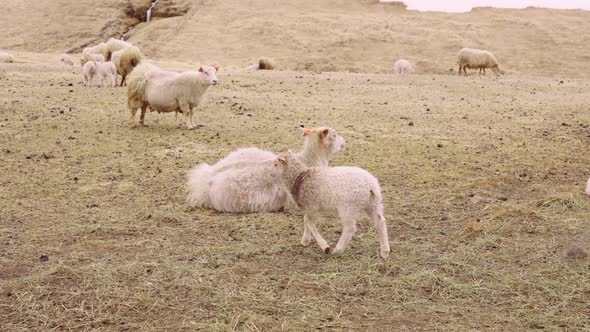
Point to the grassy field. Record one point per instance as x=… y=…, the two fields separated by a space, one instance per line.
x=482 y=181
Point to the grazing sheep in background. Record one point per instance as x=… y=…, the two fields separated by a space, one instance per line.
x=480 y=59
x=351 y=191
x=129 y=58
x=240 y=182
x=403 y=67
x=91 y=57
x=167 y=91
x=106 y=71
x=66 y=59
x=113 y=45
x=98 y=49
x=266 y=64
x=588 y=187
x=88 y=72
x=5 y=57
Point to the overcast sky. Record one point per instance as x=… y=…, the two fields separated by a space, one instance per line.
x=466 y=5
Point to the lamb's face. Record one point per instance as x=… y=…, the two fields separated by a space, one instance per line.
x=332 y=141
x=210 y=73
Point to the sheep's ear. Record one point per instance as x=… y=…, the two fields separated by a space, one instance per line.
x=200 y=69
x=306 y=132
x=216 y=68
x=325 y=132
x=282 y=160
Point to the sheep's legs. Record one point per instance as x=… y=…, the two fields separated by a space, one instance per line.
x=306 y=239
x=308 y=220
x=142 y=116
x=376 y=215
x=191 y=117
x=186 y=110
x=465 y=70
x=460 y=67
x=348 y=220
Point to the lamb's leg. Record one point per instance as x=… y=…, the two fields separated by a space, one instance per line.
x=142 y=115
x=376 y=215
x=308 y=220
x=186 y=111
x=465 y=70
x=191 y=116
x=484 y=71
x=306 y=239
x=460 y=67
x=123 y=79
x=348 y=220
x=132 y=118
x=113 y=80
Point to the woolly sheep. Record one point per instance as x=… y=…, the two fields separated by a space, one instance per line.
x=88 y=72
x=113 y=45
x=402 y=67
x=98 y=49
x=167 y=91
x=106 y=71
x=473 y=58
x=66 y=59
x=91 y=57
x=129 y=58
x=263 y=64
x=5 y=57
x=348 y=190
x=240 y=182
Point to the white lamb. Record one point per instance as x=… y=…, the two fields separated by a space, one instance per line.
x=106 y=71
x=167 y=91
x=66 y=59
x=478 y=59
x=351 y=191
x=240 y=182
x=88 y=72
x=403 y=67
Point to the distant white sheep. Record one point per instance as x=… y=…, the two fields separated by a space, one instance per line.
x=89 y=72
x=240 y=182
x=106 y=71
x=350 y=191
x=167 y=91
x=97 y=49
x=477 y=59
x=113 y=45
x=5 y=57
x=263 y=64
x=66 y=59
x=403 y=67
x=91 y=57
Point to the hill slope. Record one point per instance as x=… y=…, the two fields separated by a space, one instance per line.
x=331 y=35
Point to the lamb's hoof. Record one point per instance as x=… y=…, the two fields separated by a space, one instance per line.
x=327 y=250
x=305 y=242
x=384 y=254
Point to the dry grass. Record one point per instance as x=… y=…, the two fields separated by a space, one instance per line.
x=482 y=193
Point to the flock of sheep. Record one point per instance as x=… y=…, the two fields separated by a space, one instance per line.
x=250 y=179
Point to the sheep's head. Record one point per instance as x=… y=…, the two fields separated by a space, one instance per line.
x=327 y=137
x=496 y=69
x=282 y=163
x=210 y=73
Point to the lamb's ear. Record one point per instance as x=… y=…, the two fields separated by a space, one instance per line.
x=305 y=131
x=282 y=159
x=200 y=69
x=325 y=132
x=216 y=68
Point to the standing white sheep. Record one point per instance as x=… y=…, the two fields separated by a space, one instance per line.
x=91 y=57
x=479 y=59
x=403 y=67
x=106 y=71
x=351 y=191
x=167 y=91
x=66 y=59
x=240 y=182
x=88 y=72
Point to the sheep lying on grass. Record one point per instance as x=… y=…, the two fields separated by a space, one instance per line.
x=66 y=59
x=88 y=72
x=5 y=57
x=106 y=71
x=478 y=59
x=403 y=67
x=240 y=182
x=348 y=190
x=167 y=91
